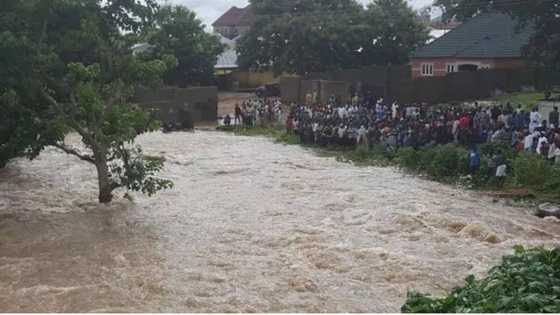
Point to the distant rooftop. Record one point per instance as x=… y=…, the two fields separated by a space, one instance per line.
x=491 y=35
x=236 y=17
x=441 y=24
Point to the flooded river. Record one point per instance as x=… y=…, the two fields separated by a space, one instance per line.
x=250 y=226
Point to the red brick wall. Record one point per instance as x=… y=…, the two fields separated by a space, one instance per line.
x=440 y=64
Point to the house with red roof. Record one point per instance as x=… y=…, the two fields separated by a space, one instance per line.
x=235 y=22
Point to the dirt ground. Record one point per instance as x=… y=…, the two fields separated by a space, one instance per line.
x=227 y=101
x=226 y=105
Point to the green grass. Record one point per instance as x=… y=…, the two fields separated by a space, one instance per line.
x=527 y=100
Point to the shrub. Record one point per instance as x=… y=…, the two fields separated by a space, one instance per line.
x=484 y=176
x=552 y=183
x=426 y=156
x=526 y=282
x=531 y=170
x=490 y=149
x=382 y=152
x=361 y=154
x=447 y=161
x=409 y=158
x=287 y=138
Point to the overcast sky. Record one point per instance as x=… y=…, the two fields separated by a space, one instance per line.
x=209 y=10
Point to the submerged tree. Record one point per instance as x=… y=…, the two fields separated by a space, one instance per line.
x=68 y=68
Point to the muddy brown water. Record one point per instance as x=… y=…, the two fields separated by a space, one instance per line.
x=250 y=226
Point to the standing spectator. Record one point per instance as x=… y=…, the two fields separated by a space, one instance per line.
x=474 y=160
x=553 y=118
x=535 y=120
x=238 y=114
x=227 y=120
x=501 y=169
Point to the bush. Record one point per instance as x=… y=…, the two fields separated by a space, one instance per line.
x=426 y=156
x=531 y=170
x=448 y=161
x=382 y=152
x=361 y=154
x=552 y=183
x=287 y=138
x=485 y=175
x=409 y=158
x=490 y=149
x=526 y=282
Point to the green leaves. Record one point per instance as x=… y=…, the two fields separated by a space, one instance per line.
x=315 y=36
x=68 y=67
x=137 y=172
x=526 y=282
x=178 y=32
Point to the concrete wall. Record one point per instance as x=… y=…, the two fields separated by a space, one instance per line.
x=250 y=79
x=396 y=83
x=289 y=88
x=172 y=104
x=294 y=89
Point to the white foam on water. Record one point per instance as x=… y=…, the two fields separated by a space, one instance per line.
x=250 y=226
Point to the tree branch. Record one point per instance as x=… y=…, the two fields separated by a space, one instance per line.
x=70 y=120
x=71 y=151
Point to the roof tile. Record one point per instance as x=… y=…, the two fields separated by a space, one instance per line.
x=491 y=35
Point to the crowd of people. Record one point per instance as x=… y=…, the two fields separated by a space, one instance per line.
x=392 y=125
x=256 y=112
x=419 y=125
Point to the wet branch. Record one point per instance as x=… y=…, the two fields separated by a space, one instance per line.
x=73 y=152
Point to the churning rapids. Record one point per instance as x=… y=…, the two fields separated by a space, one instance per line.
x=250 y=226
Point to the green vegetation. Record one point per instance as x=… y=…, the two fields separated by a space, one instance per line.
x=526 y=282
x=526 y=100
x=67 y=66
x=178 y=32
x=301 y=37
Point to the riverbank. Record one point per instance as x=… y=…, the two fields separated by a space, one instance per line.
x=530 y=178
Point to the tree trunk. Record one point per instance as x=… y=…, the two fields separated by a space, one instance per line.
x=105 y=184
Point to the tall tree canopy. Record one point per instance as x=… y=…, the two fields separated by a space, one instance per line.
x=66 y=67
x=395 y=31
x=544 y=15
x=180 y=33
x=310 y=36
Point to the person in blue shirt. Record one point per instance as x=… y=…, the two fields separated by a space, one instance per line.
x=474 y=160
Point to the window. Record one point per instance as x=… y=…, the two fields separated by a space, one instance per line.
x=427 y=69
x=451 y=68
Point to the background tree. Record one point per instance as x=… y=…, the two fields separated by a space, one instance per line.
x=543 y=15
x=180 y=33
x=394 y=32
x=312 y=36
x=69 y=69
